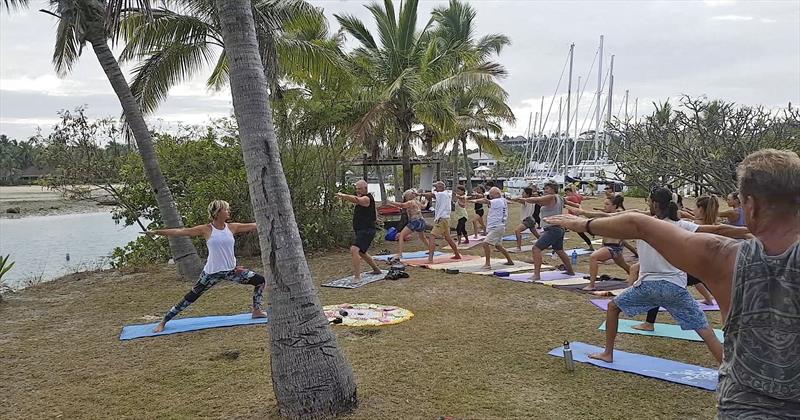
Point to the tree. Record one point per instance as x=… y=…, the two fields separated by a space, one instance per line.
x=701 y=143
x=82 y=21
x=310 y=375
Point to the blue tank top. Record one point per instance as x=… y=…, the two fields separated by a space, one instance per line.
x=740 y=220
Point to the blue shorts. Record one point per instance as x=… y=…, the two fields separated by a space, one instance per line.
x=553 y=236
x=417 y=225
x=675 y=299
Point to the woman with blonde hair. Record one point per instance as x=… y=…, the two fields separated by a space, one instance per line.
x=221 y=263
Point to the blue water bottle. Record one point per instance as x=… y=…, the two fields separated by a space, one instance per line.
x=574 y=257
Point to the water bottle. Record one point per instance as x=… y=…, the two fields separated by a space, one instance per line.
x=574 y=257
x=568 y=357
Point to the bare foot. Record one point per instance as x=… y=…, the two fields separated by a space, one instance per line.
x=430 y=260
x=535 y=278
x=456 y=257
x=604 y=356
x=486 y=267
x=588 y=289
x=376 y=271
x=258 y=313
x=519 y=249
x=160 y=327
x=571 y=273
x=508 y=263
x=644 y=326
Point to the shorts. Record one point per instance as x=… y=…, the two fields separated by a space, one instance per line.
x=553 y=236
x=363 y=239
x=494 y=236
x=614 y=249
x=417 y=225
x=441 y=227
x=479 y=212
x=529 y=223
x=675 y=299
x=692 y=280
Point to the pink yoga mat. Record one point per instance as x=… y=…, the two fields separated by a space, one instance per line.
x=603 y=304
x=545 y=275
x=442 y=259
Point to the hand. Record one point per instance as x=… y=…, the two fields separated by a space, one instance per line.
x=149 y=233
x=568 y=221
x=341 y=194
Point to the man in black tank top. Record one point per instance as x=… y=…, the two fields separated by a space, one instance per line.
x=364 y=216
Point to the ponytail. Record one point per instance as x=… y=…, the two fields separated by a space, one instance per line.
x=617 y=200
x=672 y=211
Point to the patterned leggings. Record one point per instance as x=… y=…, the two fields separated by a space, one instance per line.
x=239 y=275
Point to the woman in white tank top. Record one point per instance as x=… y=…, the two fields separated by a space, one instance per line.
x=221 y=263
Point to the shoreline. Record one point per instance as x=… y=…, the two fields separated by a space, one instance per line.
x=34 y=200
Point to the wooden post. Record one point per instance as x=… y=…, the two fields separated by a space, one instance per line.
x=364 y=167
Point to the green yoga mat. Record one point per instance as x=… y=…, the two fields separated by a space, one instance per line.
x=661 y=330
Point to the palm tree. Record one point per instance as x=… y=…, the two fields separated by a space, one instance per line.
x=172 y=45
x=310 y=375
x=82 y=21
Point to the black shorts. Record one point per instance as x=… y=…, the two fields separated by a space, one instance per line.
x=692 y=280
x=363 y=239
x=479 y=212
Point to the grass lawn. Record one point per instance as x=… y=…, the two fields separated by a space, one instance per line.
x=476 y=348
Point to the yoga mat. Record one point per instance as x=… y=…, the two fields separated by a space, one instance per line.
x=180 y=325
x=442 y=259
x=406 y=255
x=472 y=242
x=572 y=281
x=648 y=366
x=579 y=251
x=350 y=283
x=525 y=248
x=599 y=286
x=544 y=275
x=367 y=314
x=476 y=266
x=661 y=330
x=615 y=292
x=603 y=304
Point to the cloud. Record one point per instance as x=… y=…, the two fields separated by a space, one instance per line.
x=717 y=3
x=733 y=18
x=767 y=20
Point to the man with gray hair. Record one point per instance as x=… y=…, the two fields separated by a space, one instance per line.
x=365 y=215
x=441 y=219
x=756 y=282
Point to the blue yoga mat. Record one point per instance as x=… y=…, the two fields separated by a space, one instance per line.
x=514 y=237
x=661 y=330
x=407 y=255
x=651 y=367
x=180 y=325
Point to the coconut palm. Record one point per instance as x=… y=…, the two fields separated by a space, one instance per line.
x=173 y=44
x=93 y=21
x=310 y=375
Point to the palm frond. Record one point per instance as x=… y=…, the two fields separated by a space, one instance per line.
x=356 y=28
x=219 y=76
x=69 y=38
x=12 y=5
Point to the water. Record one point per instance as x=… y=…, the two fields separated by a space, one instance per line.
x=39 y=245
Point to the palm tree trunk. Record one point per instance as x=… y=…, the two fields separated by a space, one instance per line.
x=398 y=191
x=454 y=159
x=311 y=377
x=183 y=251
x=381 y=184
x=467 y=165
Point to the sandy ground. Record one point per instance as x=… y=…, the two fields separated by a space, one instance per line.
x=475 y=349
x=31 y=200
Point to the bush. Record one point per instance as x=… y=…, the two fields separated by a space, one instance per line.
x=202 y=168
x=637 y=192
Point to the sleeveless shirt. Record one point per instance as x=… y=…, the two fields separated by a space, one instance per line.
x=556 y=209
x=760 y=373
x=364 y=217
x=220 y=251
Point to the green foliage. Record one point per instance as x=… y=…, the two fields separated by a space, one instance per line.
x=637 y=192
x=16 y=157
x=700 y=143
x=202 y=165
x=5 y=265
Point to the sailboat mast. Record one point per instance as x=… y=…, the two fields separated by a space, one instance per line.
x=606 y=138
x=569 y=98
x=626 y=105
x=636 y=110
x=577 y=103
x=597 y=101
x=541 y=117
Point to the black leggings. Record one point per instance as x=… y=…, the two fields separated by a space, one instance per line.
x=586 y=239
x=461 y=228
x=536 y=210
x=652 y=314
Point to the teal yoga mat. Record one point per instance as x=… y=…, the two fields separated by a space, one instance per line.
x=661 y=330
x=181 y=325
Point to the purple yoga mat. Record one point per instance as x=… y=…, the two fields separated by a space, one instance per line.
x=545 y=275
x=603 y=304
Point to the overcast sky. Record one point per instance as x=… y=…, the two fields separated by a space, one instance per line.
x=747 y=52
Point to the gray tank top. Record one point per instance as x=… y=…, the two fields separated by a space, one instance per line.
x=760 y=374
x=556 y=209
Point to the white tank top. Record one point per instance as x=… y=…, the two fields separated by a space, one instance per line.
x=220 y=251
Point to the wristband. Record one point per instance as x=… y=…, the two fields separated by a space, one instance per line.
x=588 y=230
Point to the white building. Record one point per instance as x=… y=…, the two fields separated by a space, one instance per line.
x=482 y=159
